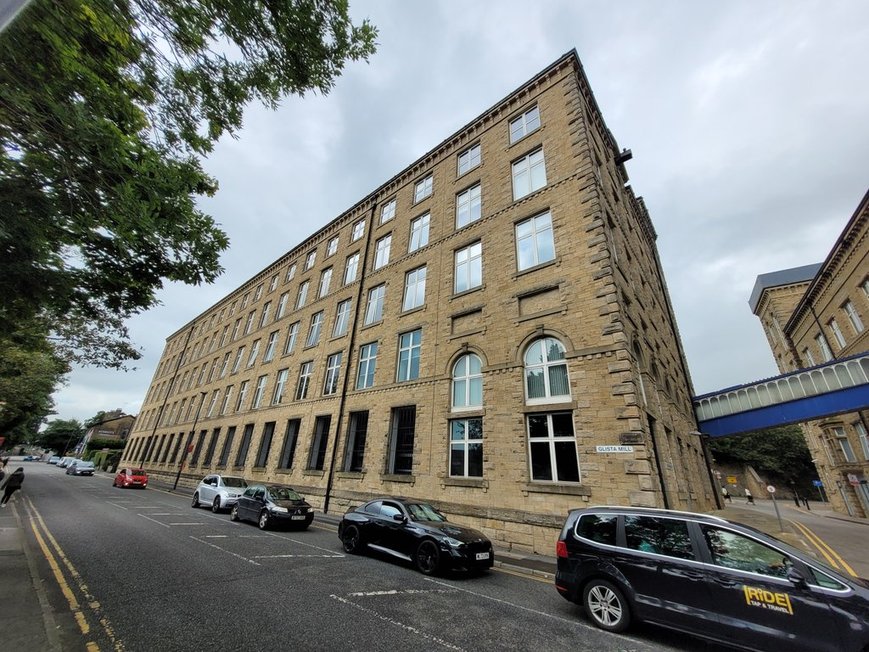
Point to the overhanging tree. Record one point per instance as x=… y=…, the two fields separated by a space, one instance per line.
x=106 y=107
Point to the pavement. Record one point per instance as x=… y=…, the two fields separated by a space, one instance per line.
x=27 y=620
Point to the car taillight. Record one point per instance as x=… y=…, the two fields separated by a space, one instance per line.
x=561 y=549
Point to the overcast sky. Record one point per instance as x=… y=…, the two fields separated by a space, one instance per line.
x=748 y=121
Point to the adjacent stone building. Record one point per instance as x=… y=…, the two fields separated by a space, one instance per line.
x=489 y=330
x=812 y=315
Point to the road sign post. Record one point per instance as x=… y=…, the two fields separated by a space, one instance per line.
x=771 y=491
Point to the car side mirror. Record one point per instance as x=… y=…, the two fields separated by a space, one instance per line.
x=399 y=517
x=795 y=577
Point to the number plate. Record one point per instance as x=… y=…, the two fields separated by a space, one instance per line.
x=482 y=555
x=298 y=517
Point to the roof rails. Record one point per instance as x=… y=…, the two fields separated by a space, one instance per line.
x=656 y=510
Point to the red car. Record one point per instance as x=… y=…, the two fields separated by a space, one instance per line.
x=131 y=478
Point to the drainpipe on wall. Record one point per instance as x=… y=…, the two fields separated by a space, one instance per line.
x=350 y=347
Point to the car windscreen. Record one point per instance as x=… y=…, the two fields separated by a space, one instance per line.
x=283 y=493
x=137 y=472
x=234 y=482
x=84 y=465
x=424 y=512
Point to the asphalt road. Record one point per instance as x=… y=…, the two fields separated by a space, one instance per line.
x=142 y=570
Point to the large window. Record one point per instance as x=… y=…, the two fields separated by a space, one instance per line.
x=242 y=395
x=367 y=365
x=529 y=174
x=280 y=386
x=310 y=259
x=546 y=371
x=381 y=251
x=468 y=206
x=351 y=267
x=469 y=268
x=314 y=331
x=254 y=352
x=213 y=404
x=209 y=452
x=358 y=230
x=267 y=309
x=662 y=536
x=409 y=348
x=227 y=447
x=467 y=382
x=333 y=373
x=227 y=398
x=837 y=333
x=270 y=347
x=824 y=346
x=844 y=444
x=469 y=159
x=524 y=124
x=401 y=436
x=332 y=247
x=414 y=288
x=302 y=296
x=354 y=451
x=466 y=448
x=258 y=392
x=241 y=457
x=419 y=229
x=248 y=326
x=325 y=282
x=319 y=443
x=552 y=447
x=535 y=244
x=374 y=307
x=292 y=335
x=864 y=439
x=342 y=318
x=387 y=212
x=304 y=380
x=282 y=305
x=853 y=317
x=422 y=189
x=288 y=450
x=265 y=444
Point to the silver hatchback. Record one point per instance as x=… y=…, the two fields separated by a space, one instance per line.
x=219 y=491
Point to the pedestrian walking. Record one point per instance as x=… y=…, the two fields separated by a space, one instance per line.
x=13 y=484
x=748 y=497
x=726 y=495
x=796 y=499
x=806 y=503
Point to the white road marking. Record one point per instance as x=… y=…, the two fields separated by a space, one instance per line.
x=392 y=621
x=288 y=556
x=200 y=523
x=118 y=506
x=153 y=520
x=207 y=543
x=166 y=514
x=301 y=543
x=216 y=536
x=365 y=594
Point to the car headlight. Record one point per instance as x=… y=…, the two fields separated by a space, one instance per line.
x=455 y=543
x=279 y=509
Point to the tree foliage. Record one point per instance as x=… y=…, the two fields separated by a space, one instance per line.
x=106 y=107
x=780 y=453
x=60 y=433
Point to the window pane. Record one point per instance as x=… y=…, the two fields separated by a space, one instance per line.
x=537 y=426
x=565 y=461
x=541 y=466
x=598 y=528
x=535 y=383
x=457 y=459
x=475 y=460
x=558 y=383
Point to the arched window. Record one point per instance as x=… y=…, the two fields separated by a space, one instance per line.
x=467 y=382
x=546 y=371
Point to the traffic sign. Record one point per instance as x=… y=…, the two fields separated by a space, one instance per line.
x=770 y=488
x=817 y=483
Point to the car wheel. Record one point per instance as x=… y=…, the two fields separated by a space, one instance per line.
x=427 y=557
x=606 y=605
x=263 y=520
x=215 y=506
x=352 y=540
x=233 y=513
x=195 y=500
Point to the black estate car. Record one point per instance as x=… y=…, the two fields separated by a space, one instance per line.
x=417 y=532
x=707 y=576
x=268 y=505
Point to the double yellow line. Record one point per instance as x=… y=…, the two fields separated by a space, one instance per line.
x=88 y=608
x=829 y=554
